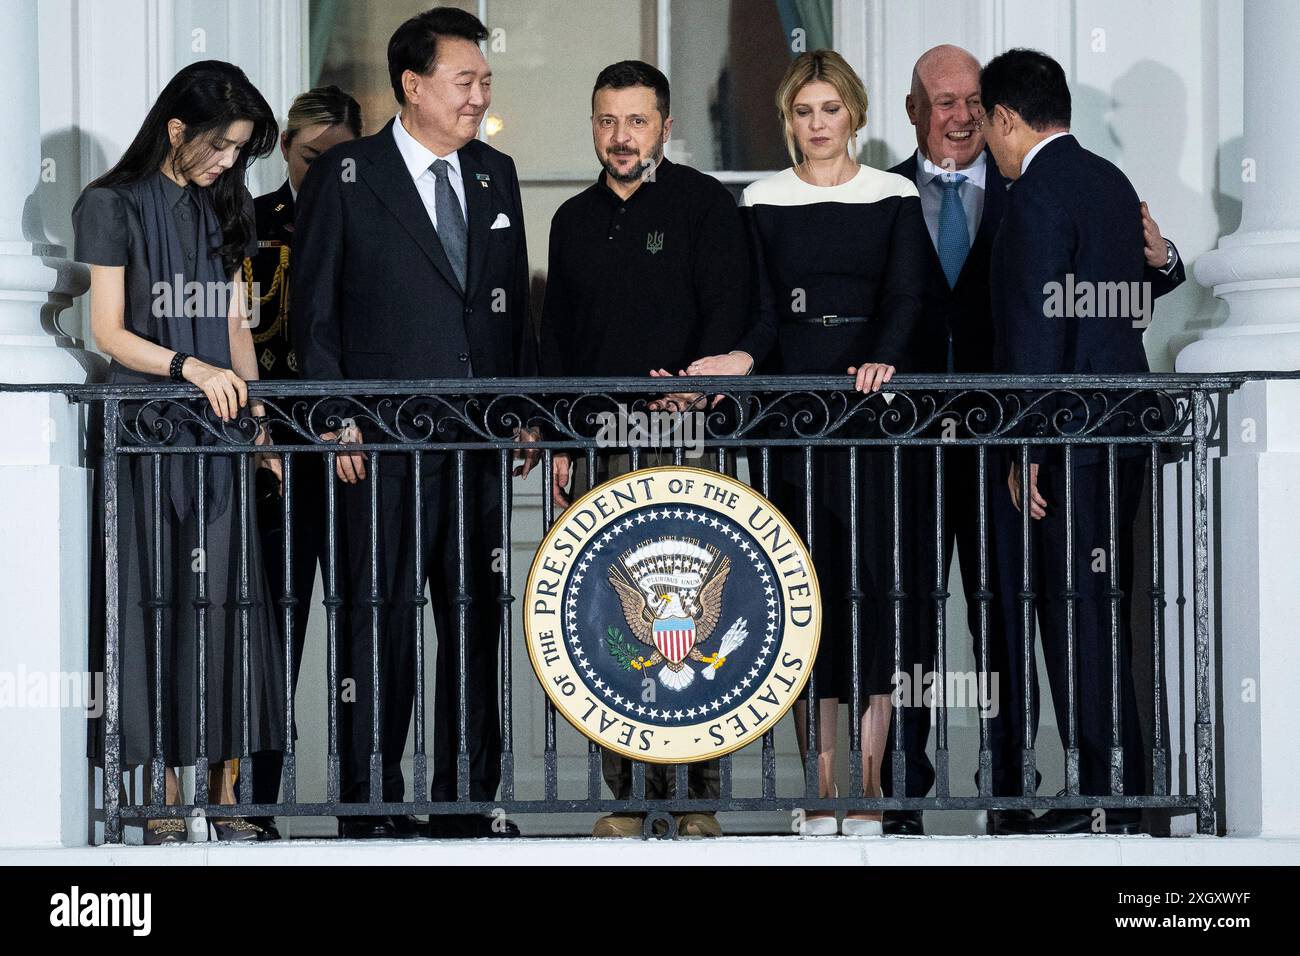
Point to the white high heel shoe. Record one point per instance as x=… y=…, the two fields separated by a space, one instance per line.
x=855 y=826
x=820 y=826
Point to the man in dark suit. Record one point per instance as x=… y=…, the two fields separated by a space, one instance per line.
x=1072 y=220
x=962 y=196
x=962 y=199
x=412 y=265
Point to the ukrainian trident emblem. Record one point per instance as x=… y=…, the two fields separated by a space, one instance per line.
x=654 y=241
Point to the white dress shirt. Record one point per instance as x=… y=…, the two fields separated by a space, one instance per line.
x=418 y=159
x=930 y=188
x=1024 y=163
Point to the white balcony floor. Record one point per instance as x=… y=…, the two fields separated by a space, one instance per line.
x=742 y=850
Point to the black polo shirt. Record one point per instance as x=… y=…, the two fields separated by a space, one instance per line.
x=656 y=280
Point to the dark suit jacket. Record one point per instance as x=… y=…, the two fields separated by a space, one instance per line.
x=1072 y=213
x=374 y=296
x=965 y=308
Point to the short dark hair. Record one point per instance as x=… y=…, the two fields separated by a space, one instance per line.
x=621 y=75
x=414 y=46
x=1029 y=82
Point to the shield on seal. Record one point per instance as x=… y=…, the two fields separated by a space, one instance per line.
x=674 y=637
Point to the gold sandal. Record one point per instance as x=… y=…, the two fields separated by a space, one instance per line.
x=166 y=830
x=238 y=830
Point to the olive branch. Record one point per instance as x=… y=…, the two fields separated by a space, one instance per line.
x=625 y=652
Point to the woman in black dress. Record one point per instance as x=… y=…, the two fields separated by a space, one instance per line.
x=838 y=249
x=173 y=218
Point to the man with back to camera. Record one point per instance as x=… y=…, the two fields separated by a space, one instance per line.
x=1071 y=216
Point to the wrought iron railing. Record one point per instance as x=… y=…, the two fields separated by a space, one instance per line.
x=1171 y=419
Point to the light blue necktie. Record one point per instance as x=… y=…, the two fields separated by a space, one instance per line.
x=954 y=238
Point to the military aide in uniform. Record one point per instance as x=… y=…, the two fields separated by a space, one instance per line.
x=318 y=119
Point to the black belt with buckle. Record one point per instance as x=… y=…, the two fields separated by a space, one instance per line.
x=830 y=320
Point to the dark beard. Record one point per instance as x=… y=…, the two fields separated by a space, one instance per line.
x=639 y=171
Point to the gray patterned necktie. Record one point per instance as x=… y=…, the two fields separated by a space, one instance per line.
x=451 y=219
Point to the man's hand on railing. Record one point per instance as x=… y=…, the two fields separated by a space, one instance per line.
x=870 y=376
x=269 y=460
x=528 y=456
x=680 y=402
x=350 y=466
x=560 y=473
x=1037 y=503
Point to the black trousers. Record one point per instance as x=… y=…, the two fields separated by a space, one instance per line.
x=310 y=541
x=918 y=519
x=703 y=777
x=1092 y=564
x=385 y=628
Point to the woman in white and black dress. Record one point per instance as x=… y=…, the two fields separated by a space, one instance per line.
x=838 y=250
x=173 y=212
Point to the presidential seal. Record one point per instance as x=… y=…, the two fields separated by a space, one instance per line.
x=672 y=615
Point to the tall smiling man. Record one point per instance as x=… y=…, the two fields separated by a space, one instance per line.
x=411 y=265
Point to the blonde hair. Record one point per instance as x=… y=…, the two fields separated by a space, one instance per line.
x=820 y=66
x=326 y=105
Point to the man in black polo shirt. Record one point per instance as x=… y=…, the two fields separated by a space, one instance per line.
x=648 y=268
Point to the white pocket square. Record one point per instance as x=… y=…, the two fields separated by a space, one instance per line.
x=501 y=221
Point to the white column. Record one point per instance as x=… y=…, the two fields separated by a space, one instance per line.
x=1260 y=603
x=1256 y=270
x=36 y=280
x=45 y=491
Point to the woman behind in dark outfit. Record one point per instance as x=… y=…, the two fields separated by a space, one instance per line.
x=318 y=119
x=839 y=250
x=175 y=210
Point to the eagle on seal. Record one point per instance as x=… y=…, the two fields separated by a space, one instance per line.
x=671 y=593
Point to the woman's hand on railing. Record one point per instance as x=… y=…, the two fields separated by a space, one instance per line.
x=224 y=389
x=870 y=376
x=349 y=466
x=733 y=363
